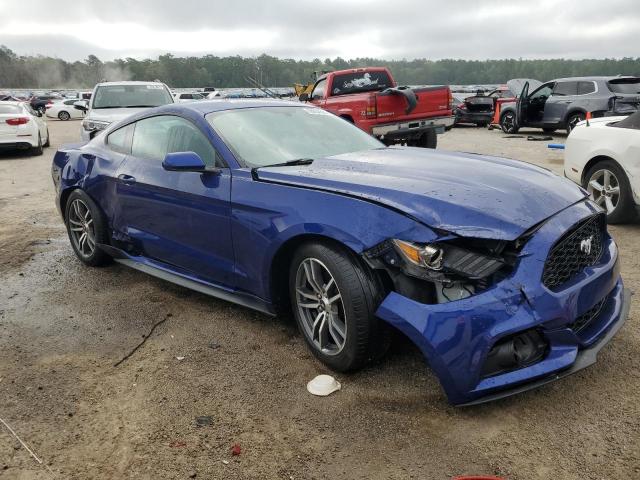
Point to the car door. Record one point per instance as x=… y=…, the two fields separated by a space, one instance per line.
x=563 y=95
x=317 y=94
x=179 y=218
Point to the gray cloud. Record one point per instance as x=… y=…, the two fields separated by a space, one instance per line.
x=399 y=29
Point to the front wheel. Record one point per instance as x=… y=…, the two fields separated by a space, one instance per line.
x=334 y=300
x=609 y=187
x=87 y=228
x=508 y=123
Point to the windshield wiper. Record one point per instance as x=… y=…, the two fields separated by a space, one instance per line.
x=289 y=163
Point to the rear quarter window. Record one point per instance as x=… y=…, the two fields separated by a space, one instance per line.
x=360 y=82
x=10 y=109
x=585 y=88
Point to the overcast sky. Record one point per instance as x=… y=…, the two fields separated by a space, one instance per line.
x=395 y=29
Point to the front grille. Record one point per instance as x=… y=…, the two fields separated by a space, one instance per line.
x=587 y=317
x=580 y=247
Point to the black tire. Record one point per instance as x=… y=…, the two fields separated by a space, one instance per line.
x=366 y=337
x=624 y=211
x=48 y=142
x=37 y=151
x=573 y=120
x=508 y=123
x=428 y=139
x=97 y=257
x=64 y=116
x=549 y=130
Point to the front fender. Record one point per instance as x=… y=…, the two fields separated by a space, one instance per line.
x=266 y=216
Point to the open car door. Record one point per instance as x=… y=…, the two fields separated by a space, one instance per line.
x=521 y=104
x=521 y=87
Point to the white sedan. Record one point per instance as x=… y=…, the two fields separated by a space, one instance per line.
x=64 y=110
x=604 y=157
x=22 y=128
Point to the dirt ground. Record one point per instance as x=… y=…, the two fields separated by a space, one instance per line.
x=64 y=326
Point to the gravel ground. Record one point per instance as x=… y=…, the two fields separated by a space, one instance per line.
x=64 y=326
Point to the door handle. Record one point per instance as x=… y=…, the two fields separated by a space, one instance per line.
x=126 y=179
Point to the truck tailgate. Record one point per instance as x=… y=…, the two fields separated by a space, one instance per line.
x=431 y=102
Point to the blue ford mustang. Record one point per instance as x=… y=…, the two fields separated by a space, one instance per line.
x=502 y=273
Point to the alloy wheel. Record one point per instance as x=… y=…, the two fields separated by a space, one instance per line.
x=604 y=189
x=508 y=122
x=320 y=306
x=82 y=228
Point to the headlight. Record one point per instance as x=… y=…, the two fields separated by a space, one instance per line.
x=448 y=259
x=93 y=125
x=429 y=256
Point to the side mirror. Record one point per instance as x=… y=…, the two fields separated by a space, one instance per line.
x=81 y=105
x=185 y=162
x=304 y=97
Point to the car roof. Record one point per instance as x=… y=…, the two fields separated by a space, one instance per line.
x=129 y=82
x=208 y=106
x=12 y=102
x=593 y=78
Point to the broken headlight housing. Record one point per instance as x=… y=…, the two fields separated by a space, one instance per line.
x=445 y=270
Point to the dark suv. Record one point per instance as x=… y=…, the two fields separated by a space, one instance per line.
x=562 y=103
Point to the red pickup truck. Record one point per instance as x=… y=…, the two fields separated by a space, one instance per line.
x=370 y=98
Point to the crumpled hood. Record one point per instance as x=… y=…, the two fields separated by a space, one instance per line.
x=112 y=114
x=467 y=194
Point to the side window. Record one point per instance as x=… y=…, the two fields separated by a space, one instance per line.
x=586 y=87
x=566 y=88
x=154 y=137
x=120 y=140
x=69 y=102
x=318 y=90
x=542 y=92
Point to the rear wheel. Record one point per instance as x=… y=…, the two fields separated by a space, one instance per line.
x=609 y=187
x=87 y=228
x=37 y=150
x=573 y=120
x=428 y=139
x=64 y=115
x=334 y=300
x=508 y=123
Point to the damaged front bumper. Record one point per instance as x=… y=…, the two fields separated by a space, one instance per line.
x=456 y=337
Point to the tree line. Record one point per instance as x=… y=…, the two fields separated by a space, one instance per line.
x=39 y=71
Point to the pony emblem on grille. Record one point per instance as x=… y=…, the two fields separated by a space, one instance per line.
x=585 y=245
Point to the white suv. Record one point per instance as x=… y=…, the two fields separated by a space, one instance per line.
x=114 y=101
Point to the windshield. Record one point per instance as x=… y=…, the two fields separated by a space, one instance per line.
x=123 y=96
x=625 y=85
x=270 y=135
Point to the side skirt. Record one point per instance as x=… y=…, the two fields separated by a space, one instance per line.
x=164 y=272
